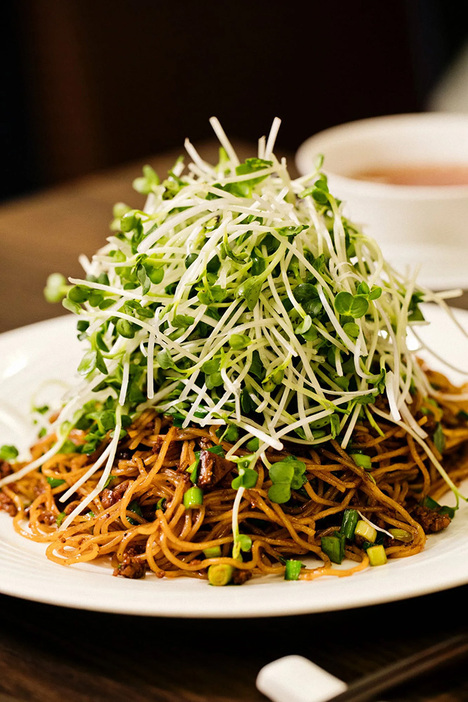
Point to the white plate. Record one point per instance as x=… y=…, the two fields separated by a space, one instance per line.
x=30 y=355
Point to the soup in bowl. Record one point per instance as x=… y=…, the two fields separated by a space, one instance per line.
x=405 y=179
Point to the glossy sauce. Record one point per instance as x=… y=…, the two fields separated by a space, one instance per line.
x=424 y=174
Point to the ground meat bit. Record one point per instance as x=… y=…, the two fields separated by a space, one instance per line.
x=173 y=452
x=131 y=567
x=430 y=520
x=158 y=443
x=7 y=504
x=5 y=469
x=359 y=540
x=160 y=439
x=47 y=517
x=206 y=470
x=172 y=456
x=71 y=506
x=107 y=498
x=222 y=468
x=110 y=497
x=124 y=454
x=39 y=488
x=213 y=468
x=241 y=576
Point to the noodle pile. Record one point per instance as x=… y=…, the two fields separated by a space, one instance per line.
x=139 y=522
x=249 y=404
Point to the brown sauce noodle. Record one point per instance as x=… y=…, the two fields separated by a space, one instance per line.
x=167 y=539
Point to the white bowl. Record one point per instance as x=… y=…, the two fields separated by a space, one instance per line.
x=415 y=225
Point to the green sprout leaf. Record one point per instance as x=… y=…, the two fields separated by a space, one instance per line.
x=239 y=341
x=286 y=475
x=250 y=291
x=307 y=295
x=56 y=287
x=146 y=183
x=351 y=329
x=351 y=305
x=164 y=360
x=247 y=477
x=217 y=449
x=230 y=434
x=182 y=321
x=304 y=326
x=253 y=444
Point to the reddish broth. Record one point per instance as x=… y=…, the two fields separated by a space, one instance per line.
x=423 y=174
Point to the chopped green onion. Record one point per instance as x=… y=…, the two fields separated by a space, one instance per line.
x=134 y=506
x=361 y=460
x=292 y=570
x=377 y=555
x=54 y=482
x=193 y=468
x=401 y=535
x=8 y=452
x=220 y=574
x=136 y=509
x=348 y=525
x=193 y=498
x=439 y=438
x=213 y=552
x=160 y=504
x=366 y=544
x=380 y=538
x=333 y=546
x=365 y=530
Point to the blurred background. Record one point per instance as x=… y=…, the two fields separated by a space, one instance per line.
x=90 y=84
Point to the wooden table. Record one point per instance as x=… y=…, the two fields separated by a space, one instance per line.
x=53 y=654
